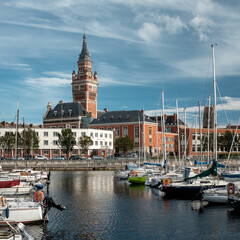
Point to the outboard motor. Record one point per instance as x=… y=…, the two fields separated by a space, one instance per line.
x=48 y=203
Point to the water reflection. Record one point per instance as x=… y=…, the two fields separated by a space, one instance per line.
x=100 y=207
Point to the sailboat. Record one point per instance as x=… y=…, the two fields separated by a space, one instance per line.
x=193 y=186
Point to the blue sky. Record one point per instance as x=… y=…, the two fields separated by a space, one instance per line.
x=138 y=47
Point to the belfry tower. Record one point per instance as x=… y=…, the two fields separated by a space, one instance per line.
x=84 y=84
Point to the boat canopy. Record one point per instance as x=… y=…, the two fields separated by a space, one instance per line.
x=196 y=162
x=153 y=164
x=130 y=166
x=210 y=171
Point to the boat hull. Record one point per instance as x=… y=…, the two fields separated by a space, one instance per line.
x=26 y=215
x=234 y=203
x=137 y=180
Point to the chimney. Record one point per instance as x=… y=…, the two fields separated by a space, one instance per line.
x=174 y=117
x=49 y=106
x=105 y=110
x=61 y=102
x=165 y=116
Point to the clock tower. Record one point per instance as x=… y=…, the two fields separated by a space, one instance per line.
x=84 y=83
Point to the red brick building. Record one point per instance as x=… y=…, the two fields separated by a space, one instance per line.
x=139 y=127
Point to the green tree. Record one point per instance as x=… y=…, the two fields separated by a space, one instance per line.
x=125 y=144
x=30 y=140
x=85 y=142
x=66 y=140
x=227 y=140
x=8 y=141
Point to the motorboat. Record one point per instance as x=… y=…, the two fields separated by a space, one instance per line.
x=24 y=210
x=215 y=195
x=22 y=189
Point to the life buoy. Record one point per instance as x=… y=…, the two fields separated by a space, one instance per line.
x=166 y=181
x=38 y=196
x=2 y=201
x=134 y=173
x=231 y=189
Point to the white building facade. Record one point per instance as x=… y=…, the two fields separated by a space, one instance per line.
x=102 y=142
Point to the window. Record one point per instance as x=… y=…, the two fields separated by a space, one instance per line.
x=117 y=131
x=101 y=143
x=110 y=143
x=36 y=133
x=55 y=134
x=55 y=142
x=76 y=87
x=101 y=135
x=83 y=134
x=109 y=128
x=74 y=151
x=96 y=143
x=110 y=135
x=101 y=128
x=82 y=86
x=150 y=140
x=45 y=152
x=36 y=152
x=74 y=134
x=45 y=142
x=45 y=134
x=55 y=152
x=96 y=134
x=125 y=131
x=105 y=143
x=136 y=130
x=105 y=135
x=136 y=144
x=150 y=131
x=91 y=134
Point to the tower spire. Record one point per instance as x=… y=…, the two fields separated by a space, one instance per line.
x=84 y=55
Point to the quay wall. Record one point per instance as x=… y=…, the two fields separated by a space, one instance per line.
x=86 y=165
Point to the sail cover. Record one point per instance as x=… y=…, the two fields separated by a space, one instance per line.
x=210 y=171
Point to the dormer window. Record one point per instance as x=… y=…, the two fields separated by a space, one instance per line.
x=55 y=113
x=70 y=112
x=62 y=112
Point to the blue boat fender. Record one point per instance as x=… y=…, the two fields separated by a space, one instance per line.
x=7 y=212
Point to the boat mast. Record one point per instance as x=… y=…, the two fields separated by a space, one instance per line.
x=157 y=135
x=196 y=135
x=16 y=136
x=200 y=131
x=215 y=106
x=179 y=155
x=185 y=138
x=209 y=102
x=139 y=135
x=163 y=130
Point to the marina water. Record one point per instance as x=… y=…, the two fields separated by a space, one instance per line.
x=100 y=207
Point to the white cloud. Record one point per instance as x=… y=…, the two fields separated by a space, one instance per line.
x=45 y=82
x=202 y=25
x=149 y=32
x=59 y=79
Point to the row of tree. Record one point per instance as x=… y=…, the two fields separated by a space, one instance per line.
x=28 y=140
x=224 y=141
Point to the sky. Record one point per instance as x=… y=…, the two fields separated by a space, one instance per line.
x=138 y=48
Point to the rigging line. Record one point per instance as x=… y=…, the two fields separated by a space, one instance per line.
x=207 y=79
x=223 y=105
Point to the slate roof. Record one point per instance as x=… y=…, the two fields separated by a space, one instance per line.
x=168 y=121
x=84 y=55
x=66 y=110
x=120 y=117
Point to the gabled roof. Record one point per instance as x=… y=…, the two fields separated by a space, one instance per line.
x=66 y=110
x=120 y=117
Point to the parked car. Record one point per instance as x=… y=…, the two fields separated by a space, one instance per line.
x=97 y=157
x=76 y=157
x=40 y=157
x=132 y=155
x=58 y=158
x=2 y=158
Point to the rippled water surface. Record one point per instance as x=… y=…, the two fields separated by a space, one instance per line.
x=100 y=207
